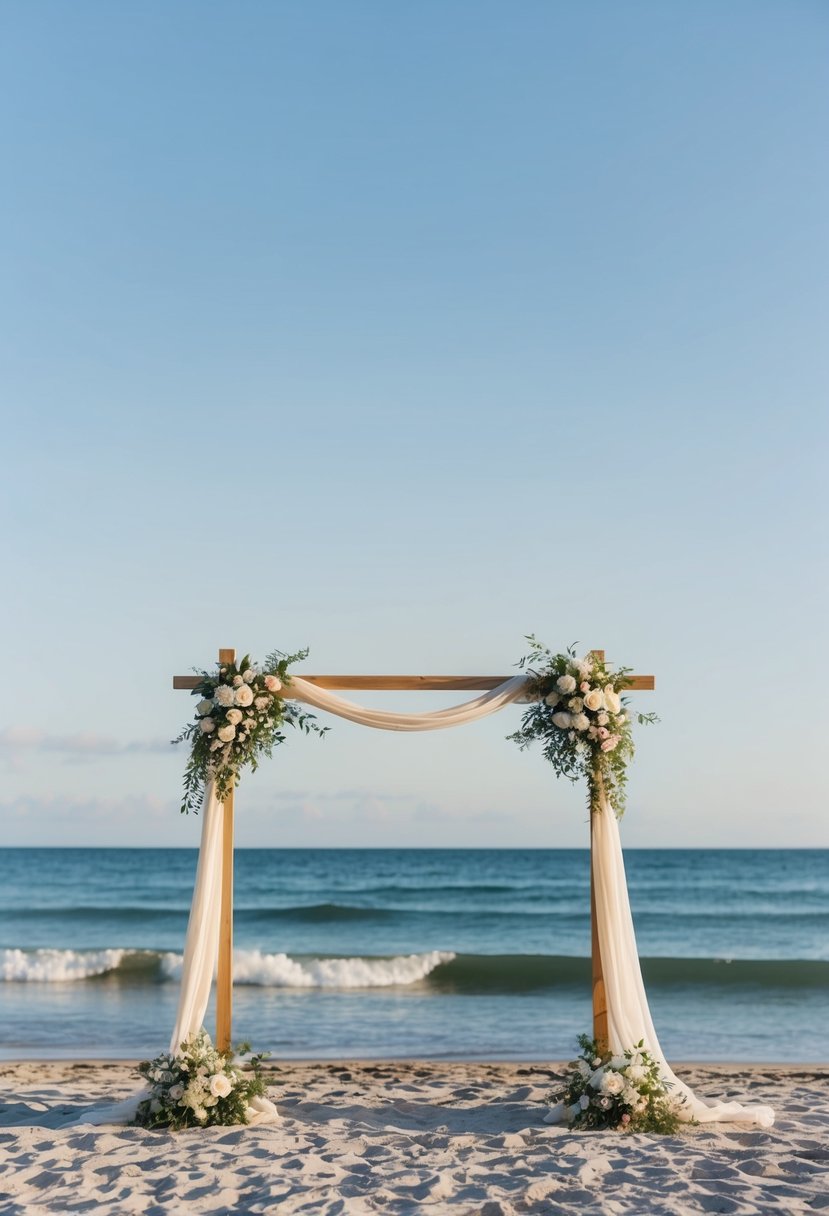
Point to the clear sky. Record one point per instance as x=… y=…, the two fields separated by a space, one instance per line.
x=401 y=331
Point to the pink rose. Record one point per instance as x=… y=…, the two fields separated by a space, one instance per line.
x=610 y=743
x=603 y=732
x=273 y=683
x=626 y=1118
x=584 y=686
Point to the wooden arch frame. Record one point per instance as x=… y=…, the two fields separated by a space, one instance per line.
x=224 y=974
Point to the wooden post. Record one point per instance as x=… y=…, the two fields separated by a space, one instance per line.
x=224 y=974
x=599 y=996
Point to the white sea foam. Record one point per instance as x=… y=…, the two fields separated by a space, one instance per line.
x=280 y=971
x=56 y=966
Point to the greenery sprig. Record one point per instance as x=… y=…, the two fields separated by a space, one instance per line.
x=581 y=719
x=239 y=720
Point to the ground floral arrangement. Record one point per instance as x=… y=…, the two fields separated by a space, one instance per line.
x=199 y=1086
x=583 y=722
x=238 y=721
x=616 y=1093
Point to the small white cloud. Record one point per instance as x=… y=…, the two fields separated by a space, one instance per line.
x=19 y=741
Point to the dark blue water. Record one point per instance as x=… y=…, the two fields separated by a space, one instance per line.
x=416 y=952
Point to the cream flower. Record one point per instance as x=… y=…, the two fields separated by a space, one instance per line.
x=207 y=725
x=603 y=719
x=580 y=721
x=237 y=680
x=227 y=733
x=612 y=1083
x=273 y=683
x=552 y=699
x=575 y=705
x=566 y=684
x=244 y=695
x=220 y=1086
x=594 y=700
x=612 y=700
x=249 y=676
x=234 y=716
x=562 y=720
x=262 y=702
x=225 y=696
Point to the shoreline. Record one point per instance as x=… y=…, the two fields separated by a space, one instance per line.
x=404 y=1137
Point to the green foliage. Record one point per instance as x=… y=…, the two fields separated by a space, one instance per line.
x=618 y=1093
x=200 y=1086
x=581 y=719
x=239 y=720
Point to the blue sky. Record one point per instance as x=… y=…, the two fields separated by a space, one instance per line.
x=401 y=331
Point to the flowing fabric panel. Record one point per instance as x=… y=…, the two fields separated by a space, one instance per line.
x=496 y=698
x=629 y=1018
x=201 y=945
x=201 y=950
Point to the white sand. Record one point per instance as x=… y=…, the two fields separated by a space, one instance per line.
x=408 y=1138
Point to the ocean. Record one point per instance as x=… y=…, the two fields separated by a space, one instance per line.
x=438 y=953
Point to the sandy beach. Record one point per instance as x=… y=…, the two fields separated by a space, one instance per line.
x=409 y=1137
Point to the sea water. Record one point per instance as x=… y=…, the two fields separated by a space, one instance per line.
x=453 y=953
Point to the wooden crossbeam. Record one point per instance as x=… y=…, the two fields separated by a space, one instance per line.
x=409 y=683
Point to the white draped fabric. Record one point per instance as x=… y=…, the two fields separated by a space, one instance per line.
x=628 y=1016
x=489 y=703
x=629 y=1019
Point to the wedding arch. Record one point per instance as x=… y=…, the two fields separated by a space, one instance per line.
x=589 y=735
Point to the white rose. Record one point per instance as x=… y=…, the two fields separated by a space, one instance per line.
x=207 y=725
x=603 y=719
x=575 y=704
x=594 y=700
x=636 y=1073
x=561 y=720
x=552 y=699
x=204 y=707
x=566 y=684
x=612 y=1083
x=220 y=1086
x=225 y=696
x=234 y=716
x=227 y=733
x=612 y=700
x=262 y=703
x=237 y=680
x=244 y=695
x=249 y=676
x=580 y=721
x=273 y=683
x=176 y=1091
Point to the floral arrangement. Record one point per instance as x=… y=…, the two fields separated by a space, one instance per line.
x=198 y=1086
x=578 y=713
x=238 y=720
x=621 y=1093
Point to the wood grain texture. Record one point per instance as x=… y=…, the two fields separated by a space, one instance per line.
x=224 y=970
x=411 y=683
